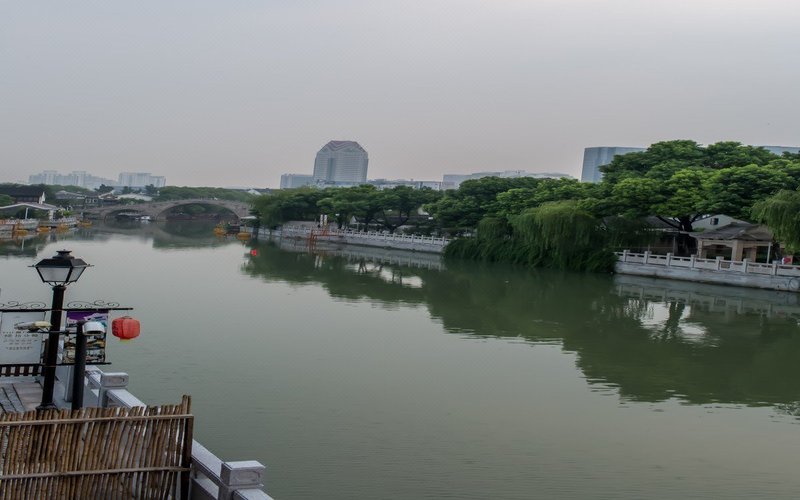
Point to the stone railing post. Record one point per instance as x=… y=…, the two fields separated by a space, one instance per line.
x=110 y=381
x=774 y=267
x=692 y=259
x=744 y=265
x=646 y=256
x=669 y=258
x=719 y=263
x=625 y=255
x=235 y=476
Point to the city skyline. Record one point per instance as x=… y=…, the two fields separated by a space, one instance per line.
x=244 y=92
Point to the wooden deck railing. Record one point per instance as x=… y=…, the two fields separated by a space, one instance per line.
x=140 y=452
x=210 y=477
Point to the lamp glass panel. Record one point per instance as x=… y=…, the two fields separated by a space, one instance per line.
x=76 y=273
x=54 y=274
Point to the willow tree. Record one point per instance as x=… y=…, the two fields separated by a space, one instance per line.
x=563 y=235
x=781 y=213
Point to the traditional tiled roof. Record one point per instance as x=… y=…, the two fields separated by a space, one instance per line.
x=16 y=191
x=737 y=231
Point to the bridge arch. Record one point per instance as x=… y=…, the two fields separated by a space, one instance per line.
x=158 y=210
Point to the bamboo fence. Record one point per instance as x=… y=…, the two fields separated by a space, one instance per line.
x=141 y=452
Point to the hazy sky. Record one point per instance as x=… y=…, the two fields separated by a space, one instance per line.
x=238 y=92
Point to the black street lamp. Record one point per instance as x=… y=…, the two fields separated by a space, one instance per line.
x=58 y=272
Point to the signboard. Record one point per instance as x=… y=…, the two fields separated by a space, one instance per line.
x=17 y=344
x=95 y=344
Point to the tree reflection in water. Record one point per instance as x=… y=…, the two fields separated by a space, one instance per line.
x=651 y=340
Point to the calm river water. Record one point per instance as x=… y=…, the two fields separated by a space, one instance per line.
x=353 y=377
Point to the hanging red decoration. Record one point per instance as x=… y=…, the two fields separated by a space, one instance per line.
x=125 y=327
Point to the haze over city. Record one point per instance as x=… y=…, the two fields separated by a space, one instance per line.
x=237 y=93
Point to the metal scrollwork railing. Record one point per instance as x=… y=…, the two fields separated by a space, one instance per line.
x=13 y=304
x=97 y=304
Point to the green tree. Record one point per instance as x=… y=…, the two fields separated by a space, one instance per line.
x=6 y=200
x=733 y=191
x=288 y=204
x=684 y=174
x=461 y=209
x=399 y=204
x=781 y=213
x=363 y=202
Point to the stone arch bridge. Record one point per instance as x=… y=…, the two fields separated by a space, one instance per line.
x=158 y=210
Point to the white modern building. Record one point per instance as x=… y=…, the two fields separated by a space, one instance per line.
x=594 y=158
x=290 y=181
x=140 y=180
x=452 y=181
x=341 y=163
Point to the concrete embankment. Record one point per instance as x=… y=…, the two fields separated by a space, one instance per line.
x=773 y=276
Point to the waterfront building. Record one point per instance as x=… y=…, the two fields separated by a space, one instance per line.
x=596 y=157
x=452 y=181
x=290 y=181
x=141 y=180
x=23 y=194
x=341 y=163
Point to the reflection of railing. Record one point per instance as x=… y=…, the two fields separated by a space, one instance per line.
x=64 y=221
x=767 y=305
x=210 y=477
x=718 y=264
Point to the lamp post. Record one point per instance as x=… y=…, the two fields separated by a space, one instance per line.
x=58 y=272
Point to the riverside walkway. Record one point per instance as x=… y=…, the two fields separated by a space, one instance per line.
x=415 y=243
x=743 y=273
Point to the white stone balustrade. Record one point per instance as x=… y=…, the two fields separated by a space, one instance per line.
x=774 y=276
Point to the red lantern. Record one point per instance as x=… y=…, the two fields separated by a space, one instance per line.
x=125 y=328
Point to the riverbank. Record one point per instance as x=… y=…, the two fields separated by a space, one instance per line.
x=414 y=243
x=717 y=271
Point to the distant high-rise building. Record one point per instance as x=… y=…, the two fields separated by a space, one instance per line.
x=289 y=181
x=78 y=178
x=393 y=183
x=452 y=181
x=594 y=158
x=140 y=180
x=341 y=163
x=779 y=150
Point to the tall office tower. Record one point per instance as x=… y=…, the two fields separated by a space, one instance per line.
x=341 y=163
x=594 y=158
